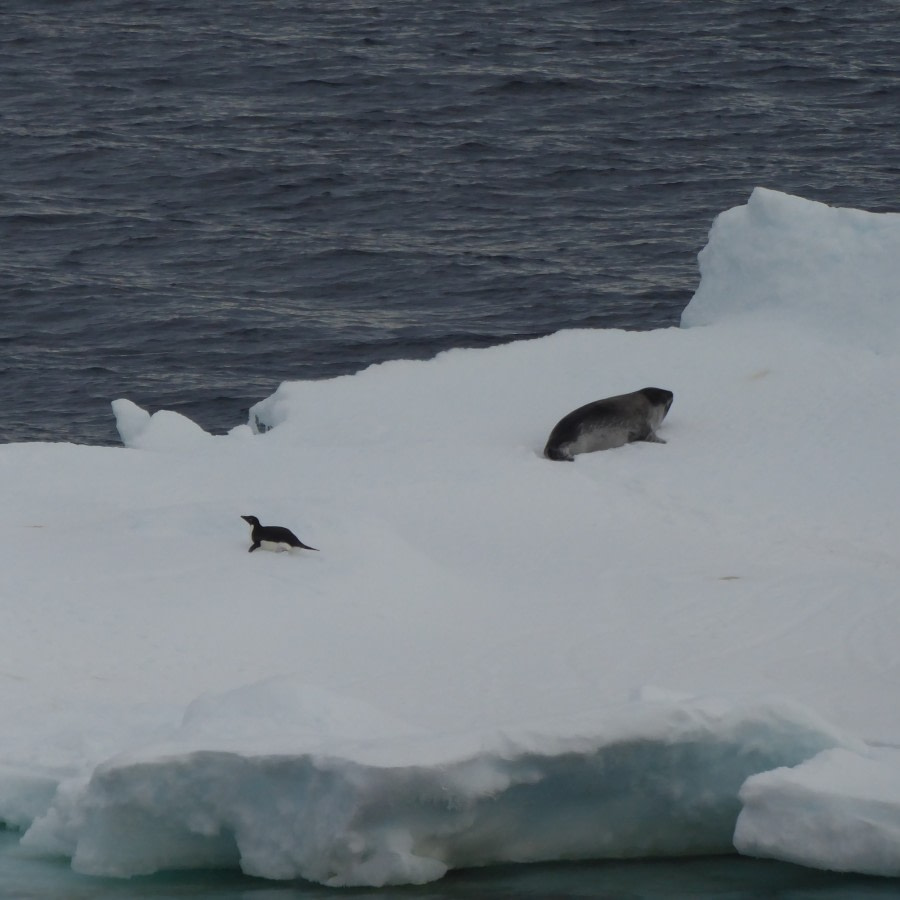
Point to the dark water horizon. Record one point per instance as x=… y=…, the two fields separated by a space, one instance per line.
x=199 y=201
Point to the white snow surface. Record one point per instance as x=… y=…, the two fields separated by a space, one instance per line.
x=493 y=657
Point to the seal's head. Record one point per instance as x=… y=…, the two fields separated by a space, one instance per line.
x=659 y=397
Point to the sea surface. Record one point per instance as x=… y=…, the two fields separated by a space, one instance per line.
x=199 y=200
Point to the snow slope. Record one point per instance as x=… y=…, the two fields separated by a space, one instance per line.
x=493 y=656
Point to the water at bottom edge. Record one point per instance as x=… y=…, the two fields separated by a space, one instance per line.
x=26 y=877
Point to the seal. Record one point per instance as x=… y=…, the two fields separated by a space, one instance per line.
x=272 y=537
x=610 y=423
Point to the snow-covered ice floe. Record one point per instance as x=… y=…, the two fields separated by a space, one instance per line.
x=654 y=778
x=840 y=810
x=458 y=676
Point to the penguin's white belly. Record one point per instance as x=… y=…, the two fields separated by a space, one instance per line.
x=274 y=546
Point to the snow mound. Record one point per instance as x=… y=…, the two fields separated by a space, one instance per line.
x=832 y=270
x=164 y=430
x=840 y=811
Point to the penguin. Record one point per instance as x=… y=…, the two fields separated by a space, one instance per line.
x=272 y=537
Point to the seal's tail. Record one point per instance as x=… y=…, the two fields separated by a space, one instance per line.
x=556 y=453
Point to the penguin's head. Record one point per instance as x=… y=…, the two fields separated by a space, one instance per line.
x=252 y=521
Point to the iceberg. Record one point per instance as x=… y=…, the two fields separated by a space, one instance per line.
x=672 y=649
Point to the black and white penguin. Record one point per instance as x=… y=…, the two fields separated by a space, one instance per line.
x=272 y=537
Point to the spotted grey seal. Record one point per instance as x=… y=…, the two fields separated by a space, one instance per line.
x=610 y=423
x=272 y=537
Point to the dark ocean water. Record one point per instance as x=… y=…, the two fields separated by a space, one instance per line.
x=199 y=200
